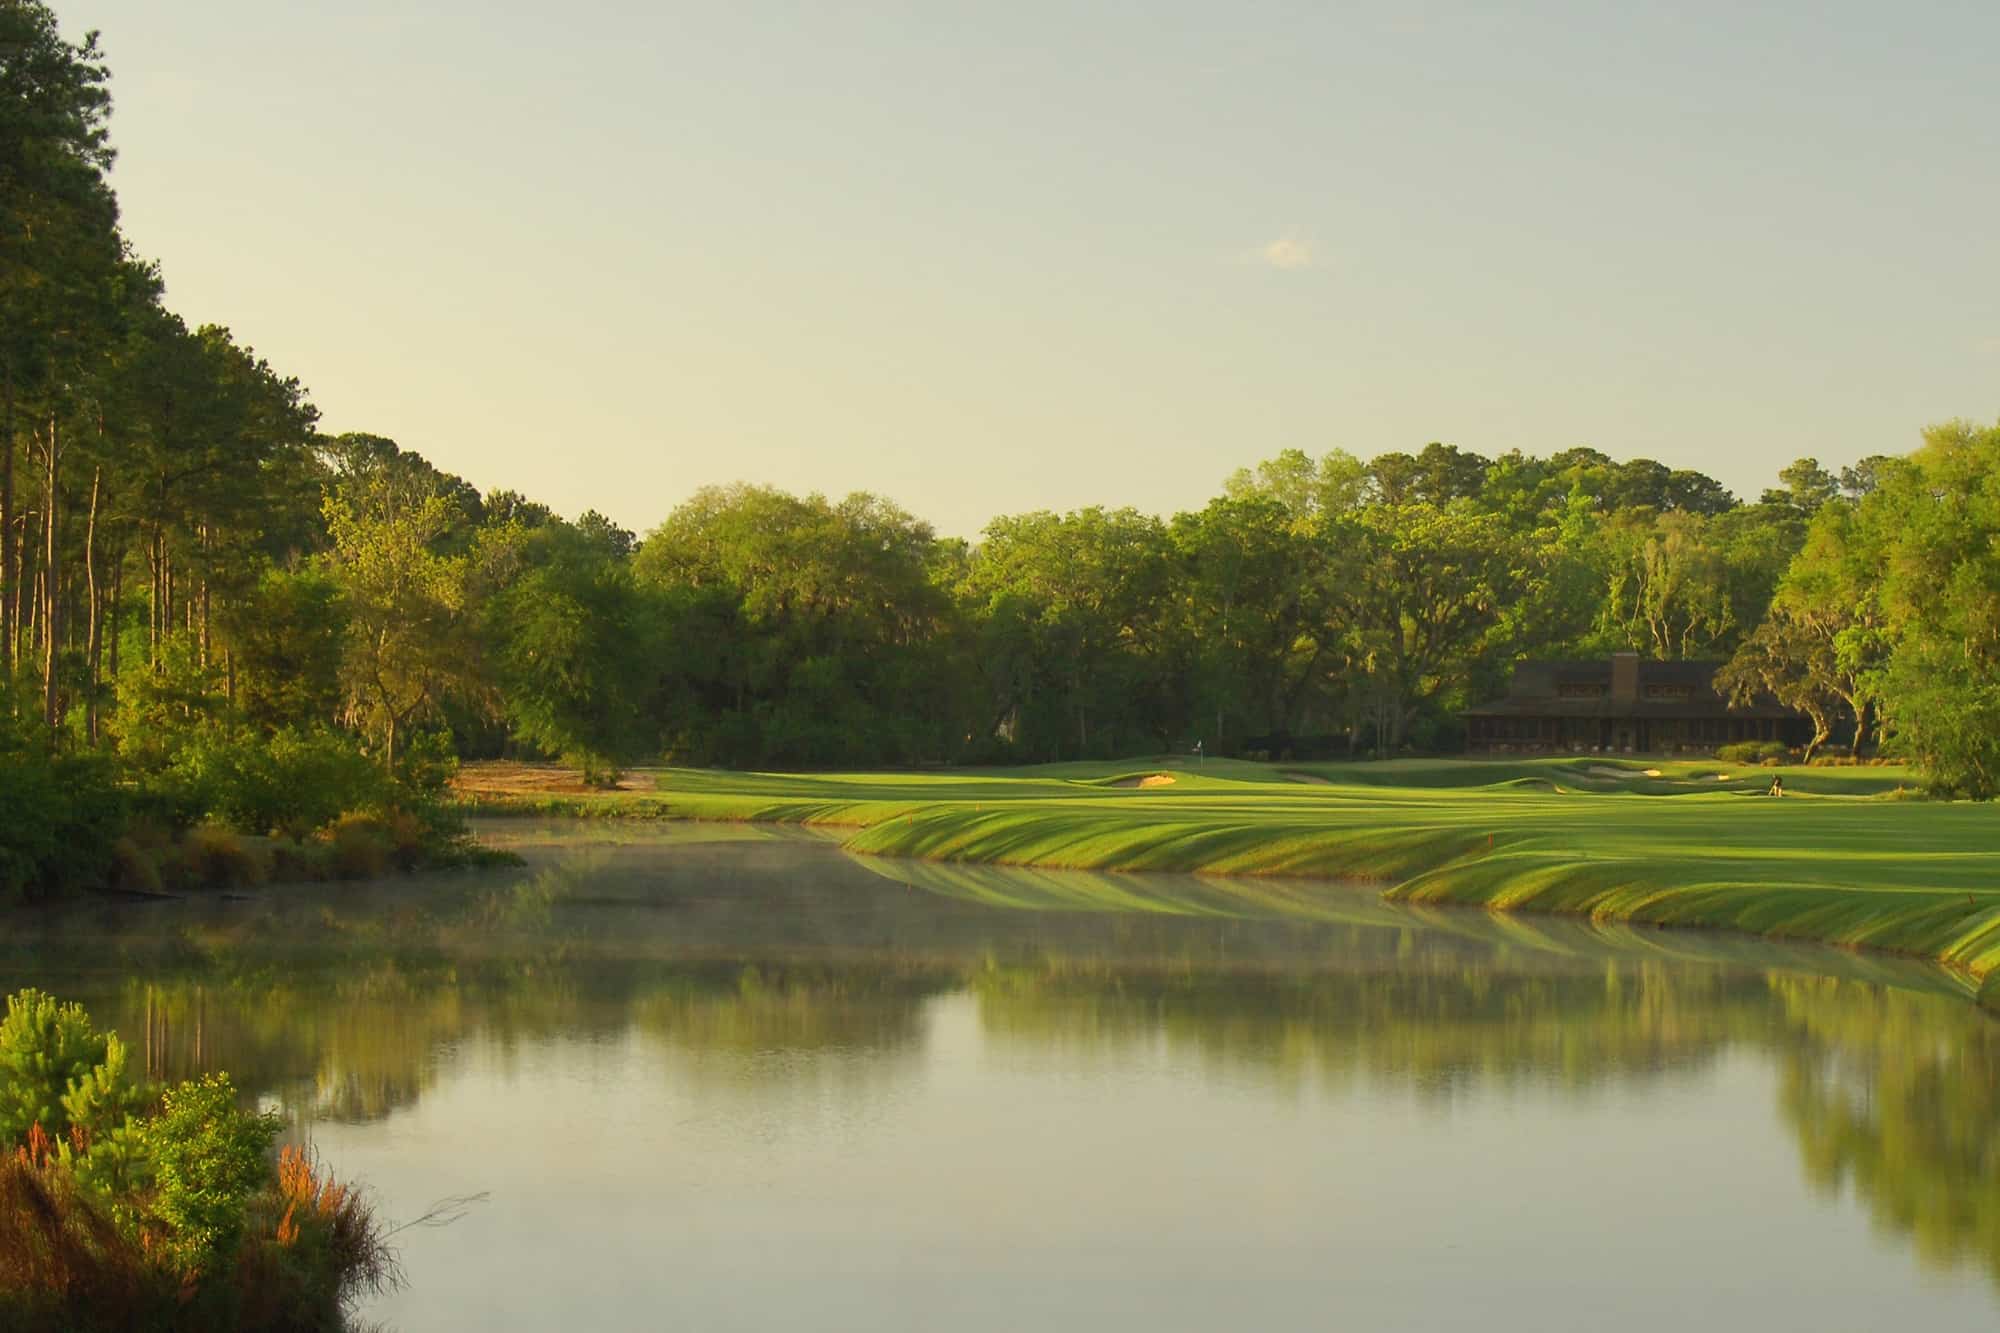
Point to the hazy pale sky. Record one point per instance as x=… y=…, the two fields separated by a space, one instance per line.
x=987 y=258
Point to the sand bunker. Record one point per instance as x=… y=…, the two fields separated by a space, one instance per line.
x=1620 y=774
x=1314 y=778
x=1150 y=780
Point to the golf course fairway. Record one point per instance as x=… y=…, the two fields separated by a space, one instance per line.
x=1840 y=859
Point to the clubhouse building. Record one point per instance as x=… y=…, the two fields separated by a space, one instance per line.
x=1624 y=705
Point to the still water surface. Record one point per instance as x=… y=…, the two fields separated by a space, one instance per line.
x=732 y=1079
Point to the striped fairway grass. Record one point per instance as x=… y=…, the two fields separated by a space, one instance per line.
x=1839 y=860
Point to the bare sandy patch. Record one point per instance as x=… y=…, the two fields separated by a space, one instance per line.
x=1150 y=780
x=505 y=777
x=1313 y=778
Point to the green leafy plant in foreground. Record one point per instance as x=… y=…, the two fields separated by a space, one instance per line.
x=208 y=1157
x=125 y=1209
x=57 y=1071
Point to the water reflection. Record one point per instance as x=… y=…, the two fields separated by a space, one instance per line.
x=1899 y=1102
x=747 y=965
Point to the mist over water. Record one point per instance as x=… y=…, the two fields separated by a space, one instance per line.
x=731 y=1078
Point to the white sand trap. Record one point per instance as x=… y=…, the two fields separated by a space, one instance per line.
x=1600 y=771
x=1653 y=773
x=1150 y=780
x=1313 y=778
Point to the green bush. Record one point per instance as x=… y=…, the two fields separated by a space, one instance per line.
x=291 y=782
x=57 y=1070
x=1754 y=752
x=215 y=856
x=174 y=1221
x=423 y=788
x=209 y=1158
x=60 y=816
x=133 y=868
x=361 y=846
x=298 y=860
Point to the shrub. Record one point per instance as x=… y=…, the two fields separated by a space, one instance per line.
x=1754 y=752
x=216 y=857
x=295 y=861
x=208 y=1159
x=133 y=868
x=57 y=1070
x=65 y=1264
x=361 y=846
x=409 y=840
x=598 y=772
x=423 y=787
x=172 y=1222
x=59 y=819
x=292 y=782
x=326 y=1247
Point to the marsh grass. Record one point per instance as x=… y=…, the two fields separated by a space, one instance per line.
x=213 y=855
x=63 y=1262
x=311 y=1249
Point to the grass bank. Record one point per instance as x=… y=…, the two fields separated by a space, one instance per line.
x=1840 y=860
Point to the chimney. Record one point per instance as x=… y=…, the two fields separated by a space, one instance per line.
x=1625 y=678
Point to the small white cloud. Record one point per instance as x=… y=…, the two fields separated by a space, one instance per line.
x=1291 y=250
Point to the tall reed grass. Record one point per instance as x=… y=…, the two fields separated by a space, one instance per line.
x=74 y=1262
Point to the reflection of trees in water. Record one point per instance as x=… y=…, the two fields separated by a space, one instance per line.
x=1441 y=1031
x=1898 y=1097
x=359 y=1047
x=856 y=1009
x=1892 y=1093
x=773 y=988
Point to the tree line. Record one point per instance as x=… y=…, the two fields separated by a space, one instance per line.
x=193 y=577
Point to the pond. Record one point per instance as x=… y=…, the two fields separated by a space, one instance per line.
x=733 y=1078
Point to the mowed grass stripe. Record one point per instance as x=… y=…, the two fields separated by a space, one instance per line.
x=1834 y=862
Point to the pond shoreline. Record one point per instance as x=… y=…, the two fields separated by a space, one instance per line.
x=1831 y=874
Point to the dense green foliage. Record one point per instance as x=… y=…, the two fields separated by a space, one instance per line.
x=233 y=616
x=124 y=1206
x=60 y=816
x=207 y=1159
x=57 y=1071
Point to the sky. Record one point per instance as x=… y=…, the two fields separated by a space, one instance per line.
x=990 y=258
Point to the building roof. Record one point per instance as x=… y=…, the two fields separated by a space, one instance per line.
x=1544 y=689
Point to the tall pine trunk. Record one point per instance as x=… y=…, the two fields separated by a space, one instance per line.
x=95 y=638
x=51 y=583
x=10 y=567
x=117 y=591
x=156 y=592
x=204 y=596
